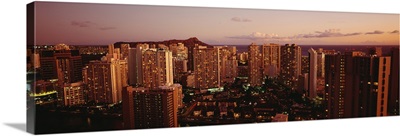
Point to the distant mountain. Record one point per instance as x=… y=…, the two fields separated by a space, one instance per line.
x=188 y=42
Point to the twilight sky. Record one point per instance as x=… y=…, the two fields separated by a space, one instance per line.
x=102 y=24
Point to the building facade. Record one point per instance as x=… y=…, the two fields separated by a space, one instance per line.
x=206 y=67
x=148 y=108
x=62 y=64
x=290 y=65
x=255 y=66
x=157 y=68
x=271 y=58
x=74 y=94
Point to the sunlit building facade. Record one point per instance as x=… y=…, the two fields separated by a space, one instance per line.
x=271 y=58
x=290 y=65
x=157 y=68
x=206 y=67
x=255 y=65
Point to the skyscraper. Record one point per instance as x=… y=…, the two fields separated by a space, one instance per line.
x=99 y=82
x=290 y=65
x=124 y=51
x=255 y=66
x=381 y=73
x=62 y=64
x=179 y=50
x=191 y=57
x=393 y=94
x=356 y=85
x=334 y=90
x=157 y=68
x=149 y=108
x=135 y=64
x=271 y=58
x=179 y=68
x=305 y=64
x=313 y=67
x=206 y=67
x=320 y=70
x=106 y=80
x=119 y=78
x=178 y=90
x=228 y=64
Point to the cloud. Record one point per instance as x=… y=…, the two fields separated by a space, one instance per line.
x=107 y=28
x=246 y=20
x=90 y=24
x=328 y=33
x=256 y=36
x=316 y=34
x=238 y=19
x=82 y=23
x=394 y=32
x=352 y=34
x=375 y=32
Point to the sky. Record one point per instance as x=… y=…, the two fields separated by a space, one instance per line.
x=103 y=24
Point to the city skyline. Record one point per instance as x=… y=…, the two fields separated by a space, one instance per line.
x=102 y=24
x=151 y=81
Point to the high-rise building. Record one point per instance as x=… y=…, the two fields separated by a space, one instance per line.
x=290 y=65
x=135 y=64
x=313 y=69
x=106 y=80
x=191 y=49
x=334 y=90
x=305 y=64
x=62 y=64
x=119 y=78
x=111 y=49
x=179 y=68
x=255 y=66
x=380 y=76
x=85 y=74
x=356 y=85
x=303 y=85
x=206 y=67
x=149 y=108
x=74 y=94
x=124 y=51
x=228 y=64
x=157 y=68
x=178 y=90
x=99 y=82
x=320 y=71
x=393 y=94
x=271 y=58
x=179 y=50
